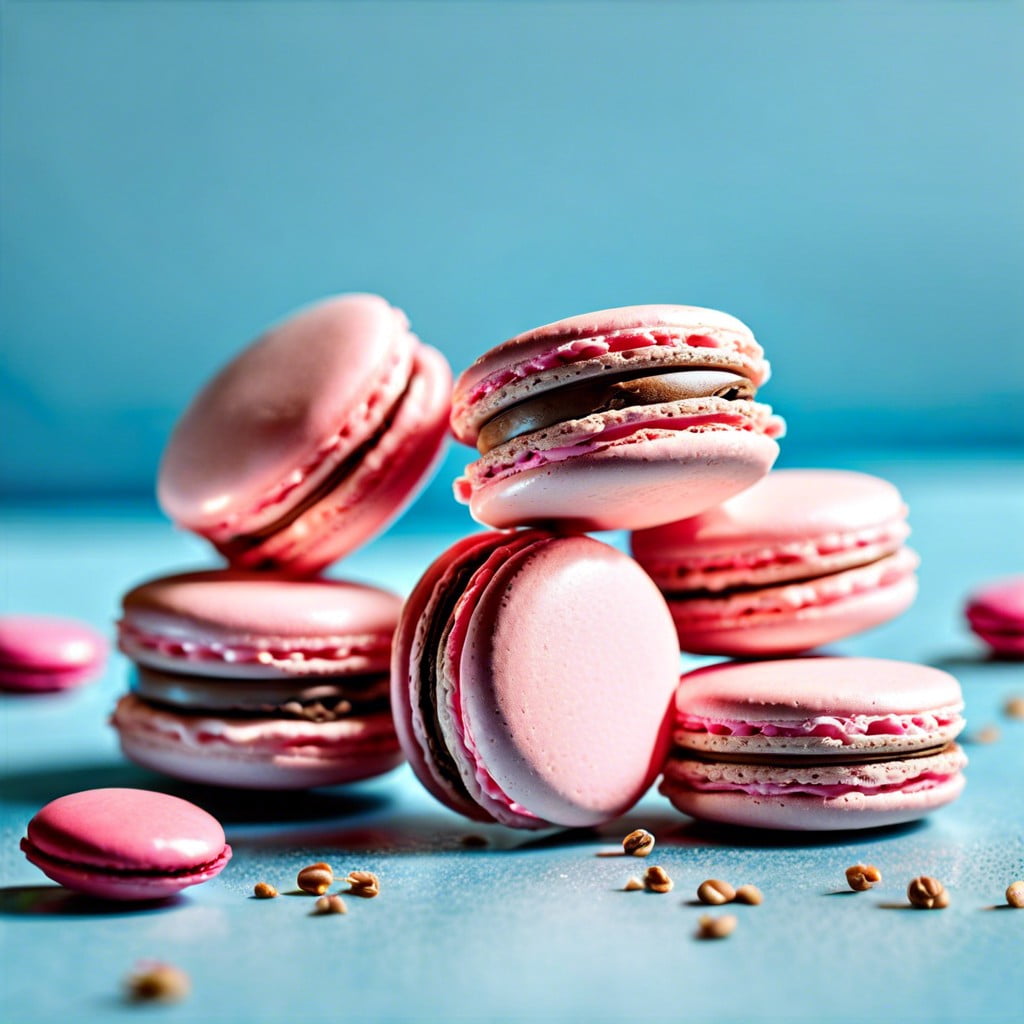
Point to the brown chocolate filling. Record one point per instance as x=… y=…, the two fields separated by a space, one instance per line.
x=805 y=761
x=603 y=394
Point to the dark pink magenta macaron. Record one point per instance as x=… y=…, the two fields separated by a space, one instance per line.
x=39 y=653
x=619 y=419
x=996 y=614
x=126 y=844
x=532 y=678
x=311 y=440
x=258 y=681
x=815 y=743
x=802 y=558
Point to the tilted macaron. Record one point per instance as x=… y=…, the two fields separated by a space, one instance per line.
x=802 y=558
x=311 y=440
x=618 y=419
x=532 y=679
x=126 y=844
x=258 y=681
x=996 y=614
x=815 y=743
x=39 y=653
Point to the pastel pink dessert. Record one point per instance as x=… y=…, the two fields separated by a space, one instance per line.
x=802 y=558
x=126 y=844
x=514 y=700
x=815 y=743
x=40 y=654
x=996 y=614
x=311 y=440
x=619 y=419
x=258 y=681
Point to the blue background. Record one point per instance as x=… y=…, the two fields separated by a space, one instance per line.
x=844 y=177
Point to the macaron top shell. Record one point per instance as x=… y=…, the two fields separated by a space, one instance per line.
x=284 y=412
x=127 y=830
x=231 y=622
x=39 y=643
x=596 y=344
x=999 y=604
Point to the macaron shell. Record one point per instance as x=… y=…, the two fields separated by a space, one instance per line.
x=639 y=481
x=996 y=614
x=42 y=653
x=810 y=813
x=790 y=618
x=386 y=479
x=567 y=716
x=127 y=830
x=256 y=753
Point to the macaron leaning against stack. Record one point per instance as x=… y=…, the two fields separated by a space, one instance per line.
x=815 y=743
x=802 y=558
x=532 y=680
x=258 y=681
x=618 y=419
x=311 y=440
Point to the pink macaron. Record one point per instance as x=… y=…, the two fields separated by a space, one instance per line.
x=311 y=440
x=40 y=654
x=126 y=844
x=619 y=419
x=802 y=558
x=258 y=681
x=532 y=679
x=996 y=614
x=815 y=743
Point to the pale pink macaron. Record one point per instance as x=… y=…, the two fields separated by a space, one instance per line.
x=619 y=419
x=126 y=844
x=310 y=440
x=996 y=614
x=258 y=681
x=815 y=743
x=39 y=653
x=802 y=558
x=532 y=679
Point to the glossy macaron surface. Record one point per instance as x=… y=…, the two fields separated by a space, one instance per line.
x=40 y=653
x=514 y=700
x=617 y=419
x=126 y=843
x=802 y=558
x=273 y=461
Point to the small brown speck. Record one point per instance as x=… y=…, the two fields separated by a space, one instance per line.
x=363 y=883
x=656 y=879
x=1015 y=894
x=716 y=892
x=1014 y=707
x=861 y=877
x=709 y=927
x=156 y=982
x=315 y=878
x=330 y=905
x=985 y=735
x=749 y=894
x=927 y=893
x=639 y=843
x=264 y=891
x=633 y=884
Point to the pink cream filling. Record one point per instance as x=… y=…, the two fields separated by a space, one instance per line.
x=846 y=730
x=594 y=348
x=927 y=780
x=237 y=653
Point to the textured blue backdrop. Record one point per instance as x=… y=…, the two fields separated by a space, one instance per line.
x=845 y=177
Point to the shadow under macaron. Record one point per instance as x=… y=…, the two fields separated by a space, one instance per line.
x=56 y=901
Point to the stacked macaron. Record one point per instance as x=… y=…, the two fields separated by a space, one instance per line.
x=303 y=447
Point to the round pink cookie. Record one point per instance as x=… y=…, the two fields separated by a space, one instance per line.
x=312 y=439
x=514 y=700
x=996 y=614
x=258 y=681
x=815 y=743
x=39 y=654
x=802 y=558
x=126 y=844
x=622 y=418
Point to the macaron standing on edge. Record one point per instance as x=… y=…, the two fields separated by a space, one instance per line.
x=258 y=681
x=618 y=419
x=126 y=844
x=41 y=654
x=802 y=558
x=532 y=679
x=815 y=743
x=311 y=439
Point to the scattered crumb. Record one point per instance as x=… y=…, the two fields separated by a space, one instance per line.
x=1015 y=894
x=749 y=894
x=639 y=843
x=264 y=891
x=1014 y=707
x=927 y=893
x=330 y=905
x=656 y=879
x=715 y=892
x=315 y=879
x=633 y=884
x=862 y=877
x=986 y=734
x=363 y=883
x=709 y=927
x=156 y=982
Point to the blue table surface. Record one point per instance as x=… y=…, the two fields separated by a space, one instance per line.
x=532 y=926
